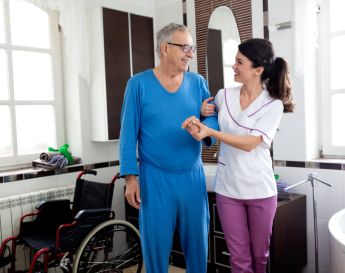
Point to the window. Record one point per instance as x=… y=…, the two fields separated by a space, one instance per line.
x=230 y=49
x=332 y=67
x=31 y=110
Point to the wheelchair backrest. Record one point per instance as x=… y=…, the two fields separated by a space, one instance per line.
x=92 y=195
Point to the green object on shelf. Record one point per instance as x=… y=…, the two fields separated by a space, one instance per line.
x=64 y=151
x=276 y=176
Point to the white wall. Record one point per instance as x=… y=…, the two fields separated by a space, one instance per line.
x=298 y=136
x=166 y=12
x=257 y=19
x=190 y=7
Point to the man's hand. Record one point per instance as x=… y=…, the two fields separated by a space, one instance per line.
x=207 y=109
x=132 y=191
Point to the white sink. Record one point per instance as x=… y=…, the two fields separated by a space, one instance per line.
x=210 y=171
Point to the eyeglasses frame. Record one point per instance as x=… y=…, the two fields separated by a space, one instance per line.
x=190 y=47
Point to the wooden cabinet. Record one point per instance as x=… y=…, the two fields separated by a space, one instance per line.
x=288 y=249
x=121 y=45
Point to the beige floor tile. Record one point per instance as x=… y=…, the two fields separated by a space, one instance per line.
x=172 y=269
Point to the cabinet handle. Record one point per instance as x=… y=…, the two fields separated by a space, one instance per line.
x=226 y=253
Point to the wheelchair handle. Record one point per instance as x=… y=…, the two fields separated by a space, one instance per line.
x=115 y=177
x=85 y=172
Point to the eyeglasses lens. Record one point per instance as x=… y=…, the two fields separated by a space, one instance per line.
x=186 y=48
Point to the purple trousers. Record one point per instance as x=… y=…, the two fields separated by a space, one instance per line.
x=247 y=227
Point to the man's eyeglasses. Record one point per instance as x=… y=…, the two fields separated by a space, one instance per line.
x=185 y=48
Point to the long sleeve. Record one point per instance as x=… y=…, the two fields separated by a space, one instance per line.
x=130 y=121
x=210 y=121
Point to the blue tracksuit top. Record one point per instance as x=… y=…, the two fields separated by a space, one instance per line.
x=152 y=116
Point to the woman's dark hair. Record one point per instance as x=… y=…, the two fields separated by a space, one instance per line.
x=276 y=70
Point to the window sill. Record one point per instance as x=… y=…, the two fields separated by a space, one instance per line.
x=32 y=172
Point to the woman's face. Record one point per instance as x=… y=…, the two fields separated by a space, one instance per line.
x=243 y=69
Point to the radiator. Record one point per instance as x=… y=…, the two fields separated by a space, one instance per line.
x=14 y=207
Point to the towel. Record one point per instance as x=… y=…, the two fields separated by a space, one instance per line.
x=52 y=167
x=47 y=156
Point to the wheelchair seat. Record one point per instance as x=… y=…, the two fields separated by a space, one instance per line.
x=39 y=241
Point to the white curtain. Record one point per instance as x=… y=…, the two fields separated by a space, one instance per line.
x=74 y=27
x=306 y=33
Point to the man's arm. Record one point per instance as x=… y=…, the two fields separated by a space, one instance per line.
x=210 y=121
x=130 y=122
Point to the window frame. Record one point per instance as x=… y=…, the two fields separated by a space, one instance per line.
x=18 y=161
x=325 y=79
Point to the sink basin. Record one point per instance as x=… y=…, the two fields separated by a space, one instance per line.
x=210 y=171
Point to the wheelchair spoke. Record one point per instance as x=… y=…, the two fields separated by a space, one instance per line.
x=124 y=255
x=112 y=248
x=128 y=261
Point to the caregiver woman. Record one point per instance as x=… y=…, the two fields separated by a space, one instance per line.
x=248 y=118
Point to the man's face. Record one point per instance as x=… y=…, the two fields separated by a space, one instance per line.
x=176 y=57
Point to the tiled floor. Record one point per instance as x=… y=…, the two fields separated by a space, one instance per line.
x=172 y=269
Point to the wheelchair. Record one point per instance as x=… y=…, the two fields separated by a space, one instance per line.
x=84 y=239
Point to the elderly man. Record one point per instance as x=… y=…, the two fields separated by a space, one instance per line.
x=172 y=191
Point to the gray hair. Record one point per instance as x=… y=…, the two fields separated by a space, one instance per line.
x=166 y=33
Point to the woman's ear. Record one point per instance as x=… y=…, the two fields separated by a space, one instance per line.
x=259 y=70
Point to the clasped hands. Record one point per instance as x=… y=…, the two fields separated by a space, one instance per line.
x=197 y=129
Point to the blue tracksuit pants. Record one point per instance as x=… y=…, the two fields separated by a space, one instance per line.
x=170 y=200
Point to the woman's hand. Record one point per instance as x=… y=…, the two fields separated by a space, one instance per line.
x=207 y=109
x=198 y=130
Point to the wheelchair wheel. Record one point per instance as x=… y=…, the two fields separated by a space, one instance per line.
x=113 y=246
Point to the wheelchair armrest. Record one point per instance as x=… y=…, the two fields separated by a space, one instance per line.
x=52 y=202
x=84 y=222
x=89 y=213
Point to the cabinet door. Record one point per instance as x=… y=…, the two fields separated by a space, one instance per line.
x=142 y=43
x=117 y=65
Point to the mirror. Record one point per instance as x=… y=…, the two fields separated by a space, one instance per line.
x=222 y=43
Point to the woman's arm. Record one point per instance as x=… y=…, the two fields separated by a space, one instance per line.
x=245 y=143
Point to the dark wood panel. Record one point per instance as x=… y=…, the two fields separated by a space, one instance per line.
x=214 y=55
x=266 y=33
x=265 y=8
x=142 y=43
x=289 y=239
x=117 y=65
x=222 y=256
x=217 y=224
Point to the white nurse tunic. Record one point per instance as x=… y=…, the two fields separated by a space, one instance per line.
x=241 y=174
